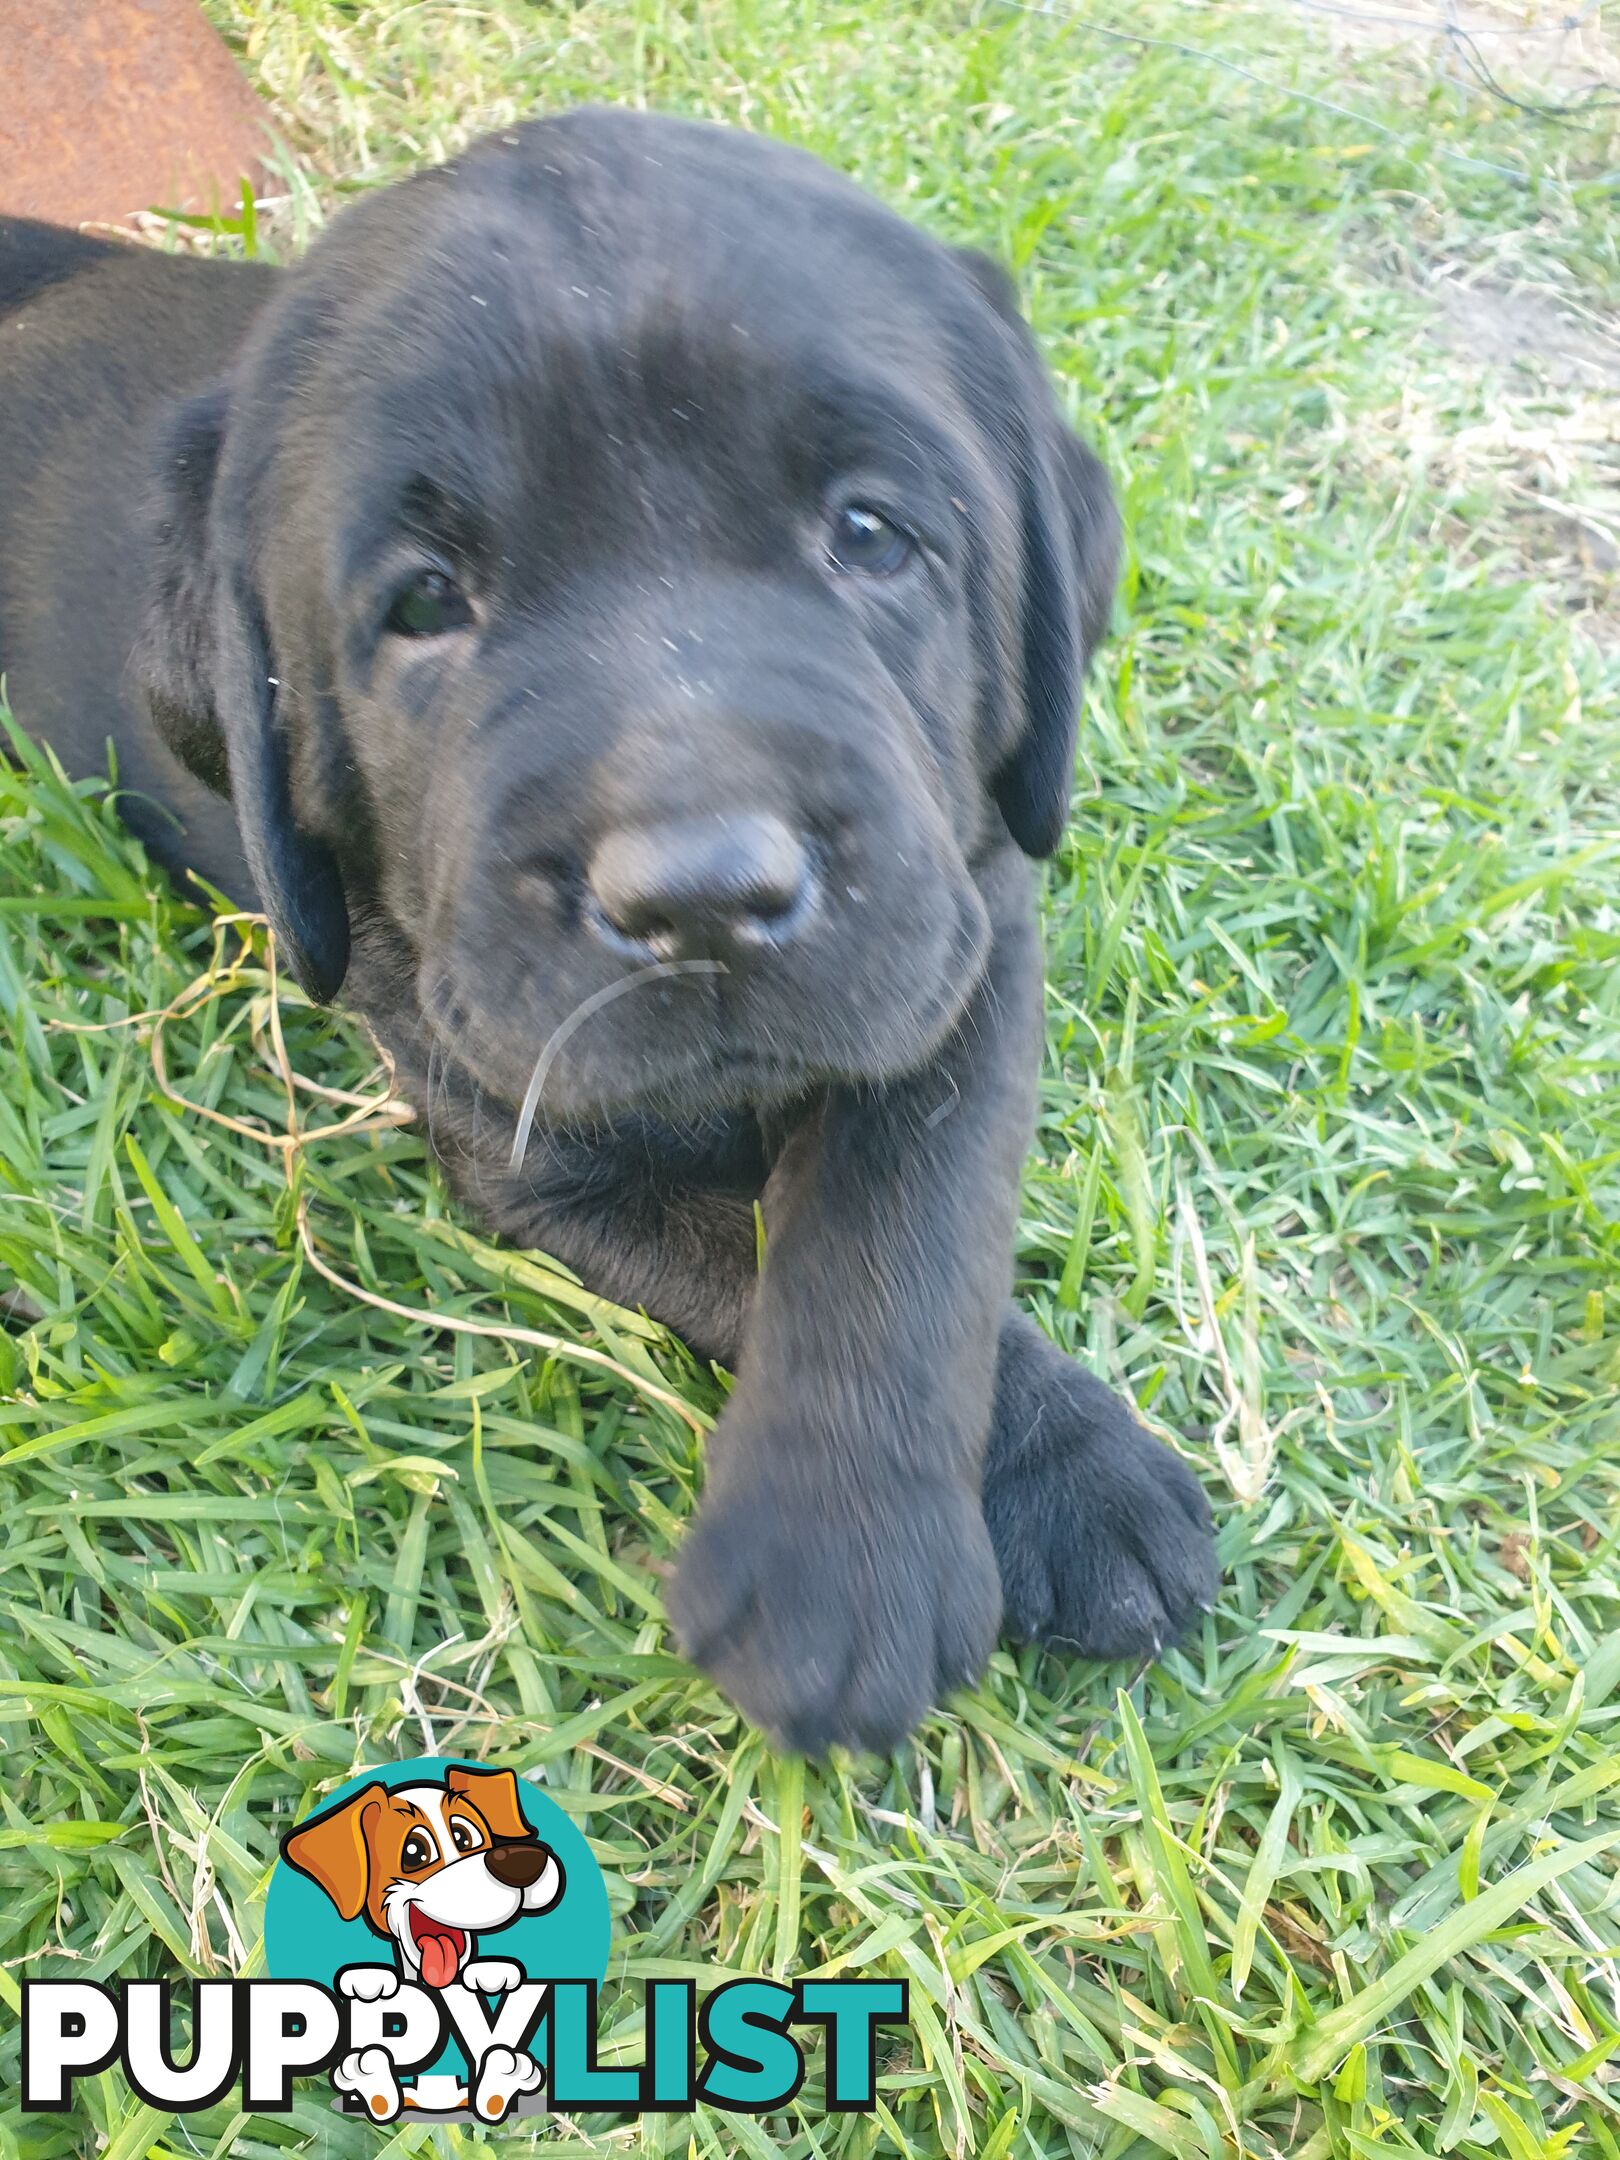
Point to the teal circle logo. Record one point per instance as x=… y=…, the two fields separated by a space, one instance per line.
x=441 y=1875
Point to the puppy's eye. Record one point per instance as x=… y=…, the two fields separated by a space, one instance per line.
x=431 y=605
x=863 y=540
x=463 y=1834
x=418 y=1851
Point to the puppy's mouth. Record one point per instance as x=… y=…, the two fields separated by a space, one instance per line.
x=441 y=1947
x=715 y=1070
x=696 y=1036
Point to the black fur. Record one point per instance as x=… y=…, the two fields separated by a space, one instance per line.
x=34 y=257
x=612 y=381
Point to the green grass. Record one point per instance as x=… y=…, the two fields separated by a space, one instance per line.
x=1328 y=1178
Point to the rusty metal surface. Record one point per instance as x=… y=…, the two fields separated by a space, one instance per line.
x=109 y=107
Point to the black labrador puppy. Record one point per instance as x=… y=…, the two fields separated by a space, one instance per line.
x=619 y=607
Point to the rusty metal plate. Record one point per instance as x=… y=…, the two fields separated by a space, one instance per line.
x=109 y=107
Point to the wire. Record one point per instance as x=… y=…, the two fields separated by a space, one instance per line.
x=1444 y=25
x=1049 y=11
x=1596 y=98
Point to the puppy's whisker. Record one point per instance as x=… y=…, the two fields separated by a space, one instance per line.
x=655 y=971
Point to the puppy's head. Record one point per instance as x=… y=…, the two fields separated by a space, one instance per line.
x=430 y=1867
x=630 y=560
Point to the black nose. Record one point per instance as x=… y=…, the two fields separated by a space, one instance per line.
x=517 y=1864
x=700 y=885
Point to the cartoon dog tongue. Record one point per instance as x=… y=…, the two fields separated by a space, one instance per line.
x=439 y=1948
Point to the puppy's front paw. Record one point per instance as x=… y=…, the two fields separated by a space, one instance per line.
x=367 y=2075
x=503 y=2077
x=368 y=1983
x=836 y=1628
x=1103 y=1536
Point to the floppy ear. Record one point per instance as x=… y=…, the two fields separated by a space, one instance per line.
x=1070 y=533
x=495 y=1795
x=203 y=667
x=331 y=1850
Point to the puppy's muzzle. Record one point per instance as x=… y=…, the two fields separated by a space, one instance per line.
x=517 y=1864
x=717 y=887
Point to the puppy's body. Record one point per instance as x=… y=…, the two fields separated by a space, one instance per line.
x=97 y=340
x=634 y=590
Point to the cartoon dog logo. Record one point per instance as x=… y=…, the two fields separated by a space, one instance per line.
x=431 y=1869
